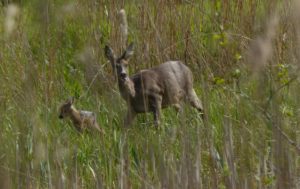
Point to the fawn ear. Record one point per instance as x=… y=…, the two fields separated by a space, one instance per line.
x=128 y=53
x=70 y=101
x=109 y=53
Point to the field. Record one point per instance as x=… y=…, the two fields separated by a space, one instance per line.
x=245 y=58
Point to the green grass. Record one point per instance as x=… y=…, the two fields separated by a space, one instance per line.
x=56 y=51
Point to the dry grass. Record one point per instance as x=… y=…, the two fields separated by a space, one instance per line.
x=245 y=59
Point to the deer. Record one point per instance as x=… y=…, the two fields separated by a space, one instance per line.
x=153 y=89
x=81 y=119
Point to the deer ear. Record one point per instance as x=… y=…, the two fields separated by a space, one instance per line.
x=70 y=101
x=128 y=53
x=109 y=53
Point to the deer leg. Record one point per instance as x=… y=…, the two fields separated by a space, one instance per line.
x=129 y=117
x=94 y=124
x=195 y=102
x=79 y=127
x=177 y=101
x=157 y=110
x=97 y=127
x=178 y=108
x=156 y=115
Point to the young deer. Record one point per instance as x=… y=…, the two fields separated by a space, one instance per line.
x=150 y=90
x=81 y=119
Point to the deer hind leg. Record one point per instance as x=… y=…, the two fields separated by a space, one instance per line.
x=96 y=126
x=194 y=101
x=177 y=101
x=178 y=108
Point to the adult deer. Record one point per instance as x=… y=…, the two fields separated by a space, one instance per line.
x=150 y=90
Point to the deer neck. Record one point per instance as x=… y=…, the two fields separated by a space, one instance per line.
x=75 y=116
x=126 y=87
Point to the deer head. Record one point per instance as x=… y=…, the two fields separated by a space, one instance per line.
x=120 y=64
x=120 y=67
x=66 y=108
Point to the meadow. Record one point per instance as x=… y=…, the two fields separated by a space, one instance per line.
x=245 y=58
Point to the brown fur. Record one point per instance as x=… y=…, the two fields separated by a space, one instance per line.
x=81 y=119
x=155 y=88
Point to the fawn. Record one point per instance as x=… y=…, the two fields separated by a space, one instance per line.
x=150 y=90
x=81 y=119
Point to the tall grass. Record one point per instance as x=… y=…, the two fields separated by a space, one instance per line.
x=245 y=59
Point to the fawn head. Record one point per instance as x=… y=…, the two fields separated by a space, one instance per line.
x=120 y=64
x=65 y=108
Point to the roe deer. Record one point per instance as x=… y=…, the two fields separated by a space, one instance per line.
x=152 y=89
x=81 y=119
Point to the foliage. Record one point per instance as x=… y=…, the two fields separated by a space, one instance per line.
x=249 y=138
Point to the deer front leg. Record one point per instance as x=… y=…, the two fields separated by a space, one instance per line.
x=129 y=117
x=157 y=110
x=79 y=127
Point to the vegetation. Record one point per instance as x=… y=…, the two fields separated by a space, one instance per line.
x=245 y=59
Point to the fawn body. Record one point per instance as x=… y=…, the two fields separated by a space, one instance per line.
x=81 y=119
x=152 y=89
